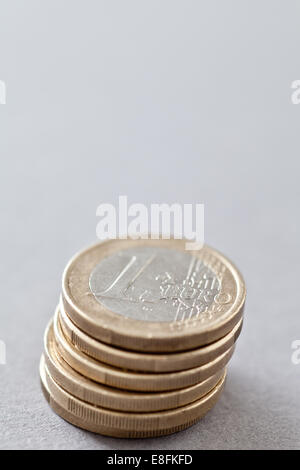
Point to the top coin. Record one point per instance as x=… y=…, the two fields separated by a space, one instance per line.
x=153 y=295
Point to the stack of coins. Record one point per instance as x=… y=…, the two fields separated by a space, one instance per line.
x=139 y=343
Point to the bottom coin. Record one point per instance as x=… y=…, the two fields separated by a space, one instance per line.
x=121 y=424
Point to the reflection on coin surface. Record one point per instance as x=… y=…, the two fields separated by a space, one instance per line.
x=121 y=424
x=153 y=295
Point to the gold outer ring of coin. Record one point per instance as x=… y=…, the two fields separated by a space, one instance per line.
x=120 y=378
x=105 y=325
x=145 y=362
x=120 y=424
x=112 y=398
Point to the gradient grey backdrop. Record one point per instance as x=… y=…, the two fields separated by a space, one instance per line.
x=163 y=101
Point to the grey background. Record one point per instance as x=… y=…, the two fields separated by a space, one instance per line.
x=162 y=101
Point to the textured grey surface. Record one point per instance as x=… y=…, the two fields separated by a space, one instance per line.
x=167 y=101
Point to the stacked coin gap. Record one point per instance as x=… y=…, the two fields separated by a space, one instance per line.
x=140 y=341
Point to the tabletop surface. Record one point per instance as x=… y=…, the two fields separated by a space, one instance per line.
x=172 y=101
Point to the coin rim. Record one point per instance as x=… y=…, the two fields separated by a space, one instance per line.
x=146 y=362
x=112 y=398
x=120 y=424
x=129 y=380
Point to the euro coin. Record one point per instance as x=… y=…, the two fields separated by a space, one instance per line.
x=121 y=424
x=153 y=295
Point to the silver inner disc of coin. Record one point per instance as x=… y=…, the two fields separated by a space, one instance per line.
x=154 y=284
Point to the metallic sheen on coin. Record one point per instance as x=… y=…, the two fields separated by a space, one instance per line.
x=153 y=295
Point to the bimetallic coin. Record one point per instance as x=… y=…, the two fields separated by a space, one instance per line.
x=119 y=378
x=153 y=295
x=120 y=424
x=145 y=362
x=112 y=398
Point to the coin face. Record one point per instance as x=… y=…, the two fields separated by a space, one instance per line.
x=155 y=284
x=153 y=295
x=122 y=424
